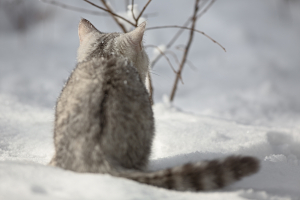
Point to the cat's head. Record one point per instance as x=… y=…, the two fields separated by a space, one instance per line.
x=95 y=44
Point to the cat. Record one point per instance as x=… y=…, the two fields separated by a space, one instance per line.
x=104 y=120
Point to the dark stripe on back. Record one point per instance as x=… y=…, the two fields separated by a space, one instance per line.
x=108 y=75
x=102 y=114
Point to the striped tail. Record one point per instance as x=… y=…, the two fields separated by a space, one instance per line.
x=206 y=175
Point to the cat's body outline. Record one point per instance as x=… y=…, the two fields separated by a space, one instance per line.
x=104 y=120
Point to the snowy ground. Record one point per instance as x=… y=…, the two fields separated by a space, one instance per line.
x=245 y=101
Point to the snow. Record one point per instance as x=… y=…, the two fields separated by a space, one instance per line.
x=245 y=101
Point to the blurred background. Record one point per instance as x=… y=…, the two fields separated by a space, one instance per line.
x=257 y=81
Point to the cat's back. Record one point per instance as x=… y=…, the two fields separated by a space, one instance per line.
x=103 y=104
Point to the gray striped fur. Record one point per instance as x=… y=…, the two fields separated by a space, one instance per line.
x=104 y=120
x=204 y=175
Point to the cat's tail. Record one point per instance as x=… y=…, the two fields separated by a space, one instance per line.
x=205 y=175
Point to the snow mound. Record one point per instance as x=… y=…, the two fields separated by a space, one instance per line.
x=27 y=145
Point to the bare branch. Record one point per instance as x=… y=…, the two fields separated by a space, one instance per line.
x=190 y=63
x=141 y=13
x=151 y=72
x=132 y=12
x=111 y=12
x=180 y=31
x=170 y=43
x=180 y=47
x=174 y=56
x=188 y=22
x=186 y=50
x=183 y=27
x=206 y=9
x=163 y=54
x=113 y=16
x=192 y=66
x=178 y=34
x=74 y=8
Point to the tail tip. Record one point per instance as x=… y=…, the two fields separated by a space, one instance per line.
x=242 y=165
x=249 y=165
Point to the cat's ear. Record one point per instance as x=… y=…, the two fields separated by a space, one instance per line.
x=136 y=36
x=85 y=27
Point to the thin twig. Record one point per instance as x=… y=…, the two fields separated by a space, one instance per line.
x=174 y=56
x=132 y=4
x=190 y=63
x=202 y=3
x=113 y=16
x=141 y=13
x=180 y=47
x=162 y=53
x=178 y=34
x=149 y=76
x=74 y=8
x=151 y=72
x=182 y=27
x=186 y=50
x=170 y=43
x=110 y=12
x=192 y=66
x=180 y=31
x=206 y=9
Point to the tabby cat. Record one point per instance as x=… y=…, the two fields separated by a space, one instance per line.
x=104 y=119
